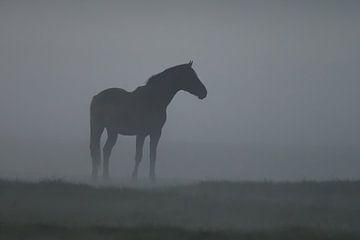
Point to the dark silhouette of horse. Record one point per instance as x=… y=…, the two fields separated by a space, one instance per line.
x=140 y=113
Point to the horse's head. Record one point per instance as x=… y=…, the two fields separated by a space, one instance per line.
x=190 y=82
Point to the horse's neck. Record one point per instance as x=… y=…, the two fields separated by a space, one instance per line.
x=161 y=94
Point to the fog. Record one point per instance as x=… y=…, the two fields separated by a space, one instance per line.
x=282 y=79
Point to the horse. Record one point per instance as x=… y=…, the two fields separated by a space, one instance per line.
x=139 y=113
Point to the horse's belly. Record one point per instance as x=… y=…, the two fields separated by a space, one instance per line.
x=126 y=125
x=133 y=121
x=127 y=132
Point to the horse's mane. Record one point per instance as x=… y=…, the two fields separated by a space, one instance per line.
x=154 y=78
x=160 y=76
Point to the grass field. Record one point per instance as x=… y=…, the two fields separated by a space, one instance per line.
x=17 y=232
x=206 y=210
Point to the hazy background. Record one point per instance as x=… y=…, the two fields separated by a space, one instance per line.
x=282 y=77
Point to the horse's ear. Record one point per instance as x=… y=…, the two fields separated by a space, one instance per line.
x=190 y=63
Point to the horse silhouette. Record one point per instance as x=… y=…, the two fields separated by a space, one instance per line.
x=140 y=113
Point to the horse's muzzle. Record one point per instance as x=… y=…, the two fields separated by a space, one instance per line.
x=202 y=96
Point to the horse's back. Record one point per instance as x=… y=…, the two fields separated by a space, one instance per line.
x=126 y=112
x=111 y=95
x=113 y=106
x=108 y=99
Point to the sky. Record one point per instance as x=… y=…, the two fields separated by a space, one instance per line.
x=277 y=72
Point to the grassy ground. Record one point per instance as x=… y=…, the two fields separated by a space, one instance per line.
x=208 y=210
x=40 y=232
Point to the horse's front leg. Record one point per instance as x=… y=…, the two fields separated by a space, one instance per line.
x=138 y=155
x=154 y=140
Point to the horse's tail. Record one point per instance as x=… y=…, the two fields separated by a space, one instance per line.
x=96 y=130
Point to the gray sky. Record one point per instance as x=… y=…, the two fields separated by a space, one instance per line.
x=277 y=72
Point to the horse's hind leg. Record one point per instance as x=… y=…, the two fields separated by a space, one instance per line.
x=110 y=142
x=95 y=135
